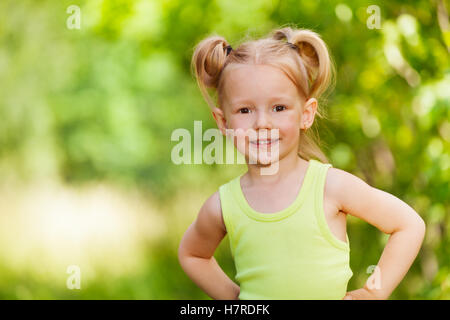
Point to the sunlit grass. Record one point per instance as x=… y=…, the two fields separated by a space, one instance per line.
x=104 y=231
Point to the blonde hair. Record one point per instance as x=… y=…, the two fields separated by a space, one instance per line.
x=309 y=67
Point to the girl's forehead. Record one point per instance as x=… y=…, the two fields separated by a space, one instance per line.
x=260 y=71
x=249 y=79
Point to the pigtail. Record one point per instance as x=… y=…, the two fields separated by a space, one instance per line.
x=320 y=71
x=314 y=55
x=207 y=64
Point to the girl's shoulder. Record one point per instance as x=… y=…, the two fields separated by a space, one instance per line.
x=213 y=205
x=375 y=206
x=341 y=185
x=211 y=211
x=333 y=183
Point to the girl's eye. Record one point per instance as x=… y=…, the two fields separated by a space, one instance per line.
x=244 y=110
x=279 y=108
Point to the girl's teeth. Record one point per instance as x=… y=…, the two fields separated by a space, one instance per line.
x=264 y=141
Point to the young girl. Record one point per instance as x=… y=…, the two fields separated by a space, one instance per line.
x=287 y=230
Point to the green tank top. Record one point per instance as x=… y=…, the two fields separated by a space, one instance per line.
x=290 y=254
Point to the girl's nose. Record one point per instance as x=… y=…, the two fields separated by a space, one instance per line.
x=263 y=121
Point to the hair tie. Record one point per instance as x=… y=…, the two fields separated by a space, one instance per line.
x=229 y=48
x=293 y=46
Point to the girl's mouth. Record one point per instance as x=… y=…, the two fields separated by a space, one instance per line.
x=264 y=142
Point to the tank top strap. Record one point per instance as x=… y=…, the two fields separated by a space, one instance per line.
x=319 y=194
x=315 y=181
x=320 y=172
x=320 y=175
x=230 y=209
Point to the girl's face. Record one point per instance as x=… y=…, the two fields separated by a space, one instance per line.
x=259 y=97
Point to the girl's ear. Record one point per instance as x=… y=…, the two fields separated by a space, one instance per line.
x=309 y=111
x=219 y=116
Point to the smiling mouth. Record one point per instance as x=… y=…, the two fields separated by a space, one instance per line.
x=264 y=142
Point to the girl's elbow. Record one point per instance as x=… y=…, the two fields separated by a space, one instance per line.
x=418 y=226
x=420 y=223
x=422 y=226
x=417 y=222
x=182 y=253
x=180 y=256
x=183 y=259
x=415 y=225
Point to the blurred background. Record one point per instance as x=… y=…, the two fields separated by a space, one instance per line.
x=86 y=177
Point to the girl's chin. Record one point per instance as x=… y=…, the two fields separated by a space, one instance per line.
x=262 y=158
x=261 y=154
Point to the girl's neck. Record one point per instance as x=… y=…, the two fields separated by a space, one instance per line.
x=286 y=166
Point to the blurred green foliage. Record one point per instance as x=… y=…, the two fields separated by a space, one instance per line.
x=99 y=104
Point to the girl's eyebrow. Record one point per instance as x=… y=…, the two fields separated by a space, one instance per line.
x=281 y=97
x=271 y=99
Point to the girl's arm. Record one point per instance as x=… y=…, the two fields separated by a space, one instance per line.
x=196 y=251
x=390 y=215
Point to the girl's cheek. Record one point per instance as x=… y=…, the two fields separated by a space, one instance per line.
x=240 y=125
x=289 y=126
